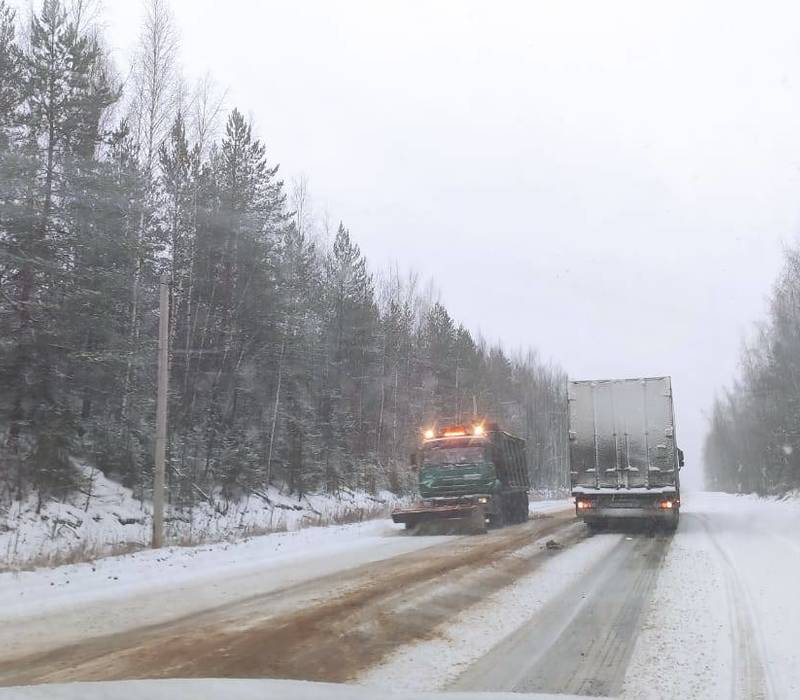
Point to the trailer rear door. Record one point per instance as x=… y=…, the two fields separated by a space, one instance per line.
x=622 y=433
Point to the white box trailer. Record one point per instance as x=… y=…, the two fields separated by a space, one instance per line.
x=624 y=462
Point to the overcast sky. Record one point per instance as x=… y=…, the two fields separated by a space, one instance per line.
x=609 y=182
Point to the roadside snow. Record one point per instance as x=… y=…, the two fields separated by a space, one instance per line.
x=108 y=519
x=42 y=590
x=434 y=664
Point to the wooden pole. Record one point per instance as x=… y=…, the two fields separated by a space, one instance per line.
x=161 y=414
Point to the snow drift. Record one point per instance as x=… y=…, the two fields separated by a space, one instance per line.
x=108 y=519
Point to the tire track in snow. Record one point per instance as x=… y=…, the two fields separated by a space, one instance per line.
x=333 y=637
x=582 y=642
x=751 y=679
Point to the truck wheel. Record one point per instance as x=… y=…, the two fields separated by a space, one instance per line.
x=512 y=508
x=596 y=526
x=500 y=517
x=672 y=524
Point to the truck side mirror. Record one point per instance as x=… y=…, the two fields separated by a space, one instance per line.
x=413 y=460
x=680 y=459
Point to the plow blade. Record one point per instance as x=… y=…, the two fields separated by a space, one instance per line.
x=443 y=520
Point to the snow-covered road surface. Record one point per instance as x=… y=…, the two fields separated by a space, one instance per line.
x=724 y=619
x=230 y=689
x=712 y=612
x=51 y=608
x=582 y=640
x=46 y=609
x=299 y=622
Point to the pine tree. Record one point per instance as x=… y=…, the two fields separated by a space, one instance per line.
x=11 y=87
x=234 y=304
x=65 y=97
x=293 y=425
x=349 y=352
x=114 y=417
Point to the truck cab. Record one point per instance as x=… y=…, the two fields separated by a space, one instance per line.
x=456 y=466
x=475 y=472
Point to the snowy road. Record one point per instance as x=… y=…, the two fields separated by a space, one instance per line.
x=581 y=643
x=724 y=618
x=324 y=618
x=49 y=609
x=711 y=612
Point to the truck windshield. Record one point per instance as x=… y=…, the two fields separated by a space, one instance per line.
x=453 y=454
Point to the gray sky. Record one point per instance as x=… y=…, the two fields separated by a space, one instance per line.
x=609 y=182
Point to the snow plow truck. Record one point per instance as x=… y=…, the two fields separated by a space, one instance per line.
x=470 y=477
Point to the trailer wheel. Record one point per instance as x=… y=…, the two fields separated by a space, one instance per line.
x=501 y=515
x=596 y=526
x=524 y=504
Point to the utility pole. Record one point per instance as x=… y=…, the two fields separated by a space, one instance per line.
x=161 y=413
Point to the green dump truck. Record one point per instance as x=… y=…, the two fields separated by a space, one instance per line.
x=470 y=477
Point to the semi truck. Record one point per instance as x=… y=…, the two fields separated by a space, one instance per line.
x=624 y=462
x=470 y=477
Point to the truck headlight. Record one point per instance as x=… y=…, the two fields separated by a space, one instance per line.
x=483 y=499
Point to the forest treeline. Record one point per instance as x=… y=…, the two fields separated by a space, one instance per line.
x=753 y=444
x=291 y=362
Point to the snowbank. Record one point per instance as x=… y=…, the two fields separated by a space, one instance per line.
x=107 y=519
